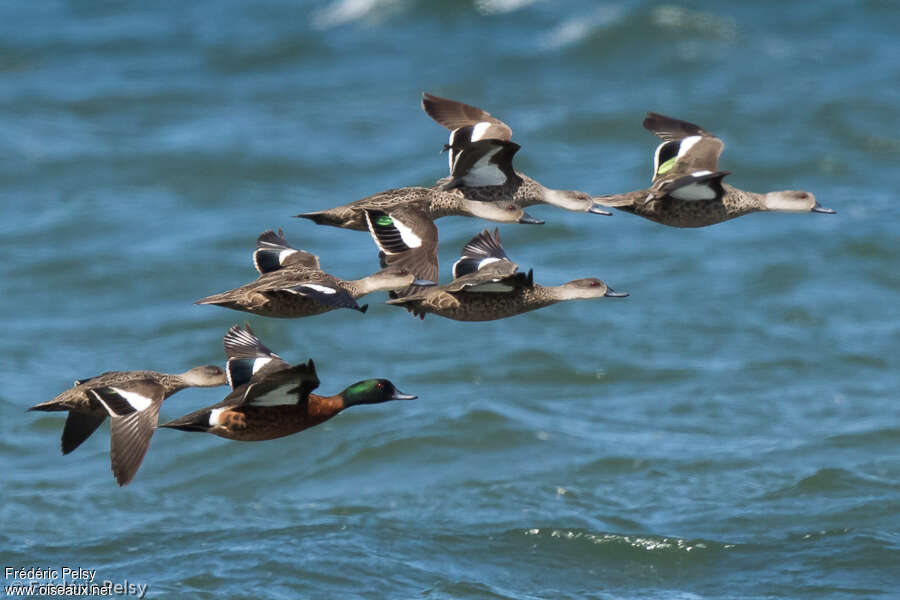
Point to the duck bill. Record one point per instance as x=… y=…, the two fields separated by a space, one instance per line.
x=398 y=395
x=821 y=209
x=527 y=219
x=611 y=293
x=595 y=209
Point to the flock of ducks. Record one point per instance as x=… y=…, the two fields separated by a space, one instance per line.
x=269 y=398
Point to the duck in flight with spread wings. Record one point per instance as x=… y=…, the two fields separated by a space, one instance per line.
x=480 y=152
x=486 y=284
x=292 y=284
x=687 y=188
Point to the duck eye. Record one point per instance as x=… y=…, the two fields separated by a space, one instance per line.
x=511 y=207
x=594 y=284
x=380 y=386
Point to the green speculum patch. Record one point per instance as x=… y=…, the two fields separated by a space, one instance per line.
x=384 y=221
x=666 y=166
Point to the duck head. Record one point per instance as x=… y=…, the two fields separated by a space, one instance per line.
x=373 y=391
x=205 y=376
x=589 y=287
x=502 y=211
x=795 y=201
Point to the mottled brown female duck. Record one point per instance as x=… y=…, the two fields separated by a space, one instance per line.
x=687 y=188
x=292 y=284
x=131 y=399
x=435 y=203
x=481 y=155
x=486 y=284
x=272 y=399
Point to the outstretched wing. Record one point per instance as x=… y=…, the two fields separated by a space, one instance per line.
x=273 y=252
x=326 y=290
x=467 y=124
x=133 y=408
x=455 y=115
x=686 y=148
x=699 y=185
x=482 y=250
x=288 y=386
x=407 y=239
x=247 y=356
x=483 y=163
x=498 y=277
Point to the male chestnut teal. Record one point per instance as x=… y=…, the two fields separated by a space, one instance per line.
x=486 y=284
x=292 y=284
x=687 y=189
x=272 y=399
x=131 y=399
x=481 y=155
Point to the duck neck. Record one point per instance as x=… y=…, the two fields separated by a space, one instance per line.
x=540 y=296
x=377 y=282
x=322 y=408
x=566 y=199
x=444 y=204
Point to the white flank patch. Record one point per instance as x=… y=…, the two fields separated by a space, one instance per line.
x=406 y=234
x=694 y=191
x=276 y=397
x=214 y=416
x=700 y=173
x=259 y=363
x=484 y=173
x=687 y=143
x=319 y=288
x=493 y=286
x=479 y=130
x=136 y=401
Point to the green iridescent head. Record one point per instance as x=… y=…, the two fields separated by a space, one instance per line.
x=373 y=391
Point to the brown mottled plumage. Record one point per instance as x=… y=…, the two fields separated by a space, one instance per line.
x=486 y=284
x=291 y=284
x=132 y=400
x=433 y=202
x=687 y=189
x=481 y=155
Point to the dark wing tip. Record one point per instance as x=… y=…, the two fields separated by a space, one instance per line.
x=241 y=342
x=670 y=128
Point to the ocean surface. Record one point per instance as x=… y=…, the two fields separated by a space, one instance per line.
x=730 y=430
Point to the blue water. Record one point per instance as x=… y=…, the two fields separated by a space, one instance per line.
x=728 y=431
